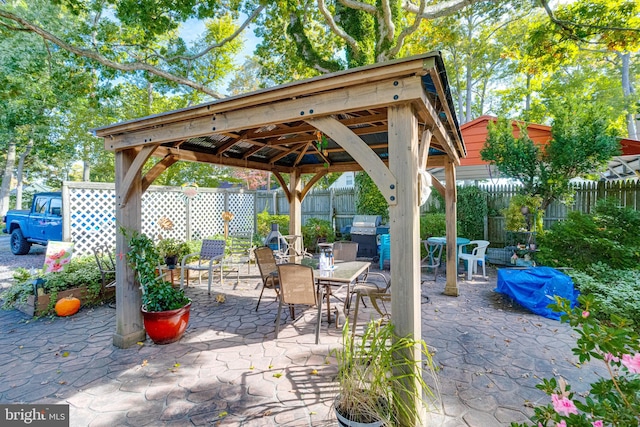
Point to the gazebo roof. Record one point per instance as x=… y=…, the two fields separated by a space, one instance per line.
x=270 y=129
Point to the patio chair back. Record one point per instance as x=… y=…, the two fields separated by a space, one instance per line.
x=475 y=257
x=239 y=253
x=297 y=286
x=345 y=251
x=268 y=270
x=434 y=255
x=209 y=259
x=105 y=259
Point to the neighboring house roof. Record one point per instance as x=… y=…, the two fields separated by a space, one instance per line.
x=475 y=134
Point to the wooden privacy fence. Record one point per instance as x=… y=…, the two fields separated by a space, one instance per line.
x=627 y=193
x=339 y=205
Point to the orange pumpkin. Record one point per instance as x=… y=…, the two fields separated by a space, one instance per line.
x=67 y=306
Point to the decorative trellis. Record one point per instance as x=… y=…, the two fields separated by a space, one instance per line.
x=89 y=213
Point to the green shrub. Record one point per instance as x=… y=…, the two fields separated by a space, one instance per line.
x=265 y=219
x=609 y=236
x=369 y=199
x=613 y=400
x=432 y=224
x=81 y=271
x=471 y=210
x=617 y=290
x=317 y=228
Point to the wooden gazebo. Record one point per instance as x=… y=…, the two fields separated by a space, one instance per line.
x=391 y=120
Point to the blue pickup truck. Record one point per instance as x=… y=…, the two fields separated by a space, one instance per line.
x=39 y=225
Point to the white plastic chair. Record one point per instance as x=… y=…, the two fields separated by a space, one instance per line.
x=476 y=256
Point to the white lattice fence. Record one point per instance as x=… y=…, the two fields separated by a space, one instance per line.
x=90 y=213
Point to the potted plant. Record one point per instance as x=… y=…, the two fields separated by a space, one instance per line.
x=171 y=249
x=373 y=380
x=165 y=309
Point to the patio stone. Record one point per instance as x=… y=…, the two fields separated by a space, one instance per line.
x=229 y=369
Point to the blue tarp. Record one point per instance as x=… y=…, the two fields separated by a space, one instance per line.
x=534 y=288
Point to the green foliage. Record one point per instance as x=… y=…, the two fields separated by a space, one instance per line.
x=369 y=199
x=316 y=228
x=265 y=219
x=157 y=294
x=80 y=272
x=618 y=291
x=605 y=236
x=471 y=210
x=612 y=401
x=516 y=220
x=373 y=372
x=433 y=224
x=172 y=247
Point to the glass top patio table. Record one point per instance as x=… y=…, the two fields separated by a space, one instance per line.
x=442 y=240
x=343 y=273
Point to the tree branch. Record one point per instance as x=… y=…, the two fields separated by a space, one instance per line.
x=127 y=67
x=441 y=9
x=352 y=4
x=334 y=27
x=388 y=21
x=408 y=30
x=568 y=25
x=221 y=43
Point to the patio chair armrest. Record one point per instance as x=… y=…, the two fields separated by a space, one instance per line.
x=184 y=258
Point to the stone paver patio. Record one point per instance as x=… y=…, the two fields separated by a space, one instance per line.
x=229 y=370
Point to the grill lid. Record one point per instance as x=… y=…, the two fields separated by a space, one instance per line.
x=366 y=221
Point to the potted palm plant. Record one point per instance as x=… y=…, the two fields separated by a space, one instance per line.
x=373 y=380
x=165 y=309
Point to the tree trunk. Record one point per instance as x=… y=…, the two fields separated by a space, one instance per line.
x=5 y=187
x=19 y=174
x=627 y=91
x=86 y=171
x=527 y=99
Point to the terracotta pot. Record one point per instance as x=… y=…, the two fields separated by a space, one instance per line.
x=165 y=327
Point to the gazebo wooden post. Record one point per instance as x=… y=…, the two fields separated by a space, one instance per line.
x=129 y=326
x=451 y=288
x=295 y=207
x=405 y=232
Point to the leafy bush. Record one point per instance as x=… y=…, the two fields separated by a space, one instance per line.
x=81 y=271
x=618 y=291
x=605 y=236
x=265 y=219
x=432 y=224
x=369 y=199
x=613 y=401
x=471 y=211
x=317 y=228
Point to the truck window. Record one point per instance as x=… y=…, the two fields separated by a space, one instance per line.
x=56 y=207
x=41 y=205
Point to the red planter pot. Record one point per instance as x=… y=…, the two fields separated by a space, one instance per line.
x=165 y=327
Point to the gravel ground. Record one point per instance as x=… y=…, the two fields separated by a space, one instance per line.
x=9 y=262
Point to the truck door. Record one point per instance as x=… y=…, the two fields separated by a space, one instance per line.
x=37 y=219
x=53 y=227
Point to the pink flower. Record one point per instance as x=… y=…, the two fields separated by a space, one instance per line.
x=561 y=424
x=610 y=357
x=632 y=363
x=585 y=314
x=598 y=423
x=563 y=405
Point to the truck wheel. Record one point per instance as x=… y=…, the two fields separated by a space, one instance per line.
x=19 y=245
